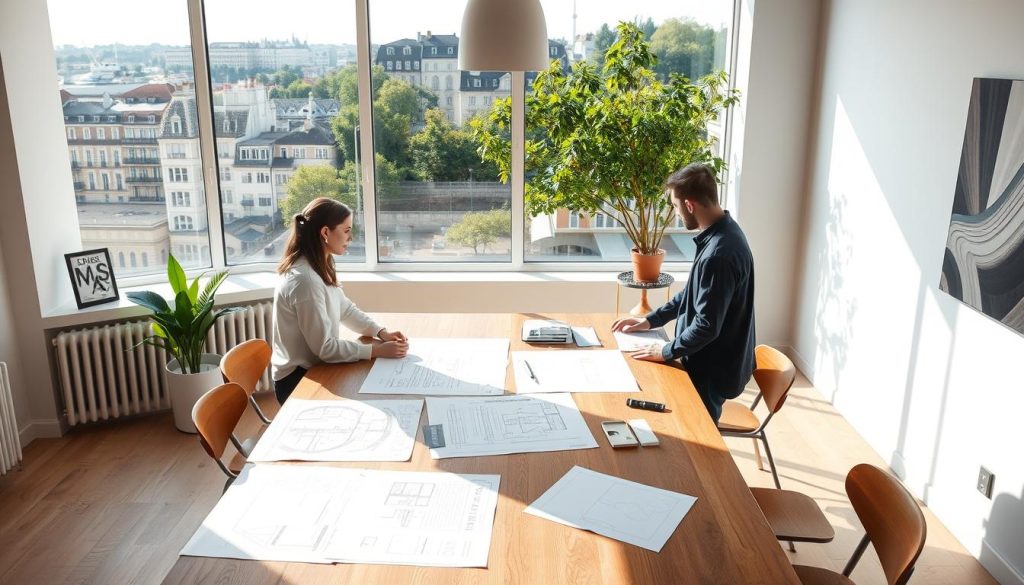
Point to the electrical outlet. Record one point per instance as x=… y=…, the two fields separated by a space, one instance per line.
x=985 y=481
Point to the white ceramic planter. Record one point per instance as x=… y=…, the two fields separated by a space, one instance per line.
x=187 y=389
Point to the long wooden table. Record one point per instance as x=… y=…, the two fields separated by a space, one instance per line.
x=723 y=539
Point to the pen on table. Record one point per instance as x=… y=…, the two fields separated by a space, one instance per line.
x=532 y=375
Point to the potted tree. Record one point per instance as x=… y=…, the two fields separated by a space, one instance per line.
x=181 y=330
x=605 y=141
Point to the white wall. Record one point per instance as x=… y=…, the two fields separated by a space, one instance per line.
x=9 y=352
x=36 y=198
x=776 y=58
x=933 y=385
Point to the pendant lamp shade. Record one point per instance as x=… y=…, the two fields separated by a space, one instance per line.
x=503 y=35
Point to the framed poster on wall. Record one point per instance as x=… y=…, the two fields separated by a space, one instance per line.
x=983 y=265
x=92 y=277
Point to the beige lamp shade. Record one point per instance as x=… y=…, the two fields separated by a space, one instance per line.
x=503 y=35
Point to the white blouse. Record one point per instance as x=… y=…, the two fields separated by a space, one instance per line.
x=307 y=313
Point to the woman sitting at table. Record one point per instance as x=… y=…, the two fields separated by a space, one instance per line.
x=309 y=302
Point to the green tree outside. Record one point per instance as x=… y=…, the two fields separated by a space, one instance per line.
x=480 y=228
x=442 y=152
x=683 y=46
x=310 y=182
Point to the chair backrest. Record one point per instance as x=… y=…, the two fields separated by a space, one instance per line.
x=891 y=517
x=216 y=414
x=245 y=363
x=774 y=374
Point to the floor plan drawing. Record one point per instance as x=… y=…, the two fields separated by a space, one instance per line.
x=341 y=430
x=625 y=510
x=508 y=424
x=317 y=514
x=442 y=367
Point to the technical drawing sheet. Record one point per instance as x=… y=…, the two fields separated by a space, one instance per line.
x=639 y=339
x=341 y=430
x=442 y=367
x=632 y=512
x=315 y=514
x=572 y=370
x=501 y=425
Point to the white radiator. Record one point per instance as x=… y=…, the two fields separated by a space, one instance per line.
x=10 y=442
x=100 y=380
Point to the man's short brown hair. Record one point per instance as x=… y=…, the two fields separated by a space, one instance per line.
x=696 y=182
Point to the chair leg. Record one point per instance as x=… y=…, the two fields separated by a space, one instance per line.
x=227 y=484
x=259 y=411
x=771 y=460
x=757 y=455
x=856 y=556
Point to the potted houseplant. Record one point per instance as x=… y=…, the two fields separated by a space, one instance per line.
x=605 y=141
x=181 y=331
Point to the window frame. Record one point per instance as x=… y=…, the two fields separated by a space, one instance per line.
x=210 y=171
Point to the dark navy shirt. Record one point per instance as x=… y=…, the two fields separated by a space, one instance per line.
x=714 y=313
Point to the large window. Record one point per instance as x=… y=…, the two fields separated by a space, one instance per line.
x=287 y=126
x=286 y=105
x=436 y=200
x=118 y=79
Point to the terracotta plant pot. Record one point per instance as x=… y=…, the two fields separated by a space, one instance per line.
x=647 y=267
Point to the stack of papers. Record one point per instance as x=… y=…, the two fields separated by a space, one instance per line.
x=543 y=331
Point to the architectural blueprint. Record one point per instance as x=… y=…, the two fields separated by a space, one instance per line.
x=501 y=425
x=341 y=430
x=442 y=367
x=314 y=514
x=614 y=507
x=572 y=370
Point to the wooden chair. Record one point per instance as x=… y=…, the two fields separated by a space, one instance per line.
x=774 y=374
x=215 y=415
x=793 y=516
x=244 y=365
x=892 y=521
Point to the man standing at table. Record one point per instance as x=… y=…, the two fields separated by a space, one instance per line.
x=714 y=313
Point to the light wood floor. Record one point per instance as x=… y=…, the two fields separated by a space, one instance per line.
x=114 y=504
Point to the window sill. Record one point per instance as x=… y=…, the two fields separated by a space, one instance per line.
x=259 y=286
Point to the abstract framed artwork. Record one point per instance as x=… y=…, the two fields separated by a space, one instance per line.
x=984 y=261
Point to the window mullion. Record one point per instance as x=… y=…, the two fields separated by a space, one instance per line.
x=518 y=168
x=368 y=184
x=207 y=144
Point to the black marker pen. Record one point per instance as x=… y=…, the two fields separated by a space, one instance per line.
x=656 y=406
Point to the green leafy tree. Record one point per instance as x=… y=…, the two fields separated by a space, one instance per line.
x=606 y=141
x=343 y=84
x=647 y=26
x=686 y=47
x=396 y=106
x=310 y=182
x=442 y=152
x=299 y=89
x=284 y=77
x=480 y=228
x=603 y=39
x=388 y=177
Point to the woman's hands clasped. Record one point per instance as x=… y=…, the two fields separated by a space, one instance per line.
x=395 y=345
